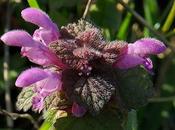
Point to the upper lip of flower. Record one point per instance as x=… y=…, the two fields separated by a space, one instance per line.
x=36 y=48
x=138 y=53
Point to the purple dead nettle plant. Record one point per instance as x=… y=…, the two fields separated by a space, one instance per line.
x=77 y=63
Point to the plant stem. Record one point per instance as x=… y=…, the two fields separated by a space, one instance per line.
x=15 y=116
x=162 y=99
x=6 y=66
x=132 y=121
x=171 y=33
x=87 y=9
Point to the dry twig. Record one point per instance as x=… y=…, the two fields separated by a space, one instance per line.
x=15 y=116
x=87 y=9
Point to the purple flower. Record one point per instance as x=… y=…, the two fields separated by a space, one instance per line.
x=78 y=110
x=79 y=53
x=138 y=53
x=38 y=103
x=47 y=31
x=45 y=82
x=36 y=50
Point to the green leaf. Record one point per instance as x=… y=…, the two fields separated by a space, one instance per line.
x=135 y=87
x=148 y=17
x=33 y=3
x=60 y=10
x=24 y=100
x=104 y=121
x=151 y=12
x=124 y=27
x=104 y=14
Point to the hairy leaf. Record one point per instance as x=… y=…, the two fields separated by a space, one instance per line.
x=94 y=92
x=56 y=100
x=24 y=100
x=77 y=28
x=135 y=87
x=105 y=121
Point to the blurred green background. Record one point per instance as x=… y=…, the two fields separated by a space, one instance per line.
x=116 y=23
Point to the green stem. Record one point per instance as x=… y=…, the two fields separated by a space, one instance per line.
x=171 y=33
x=162 y=99
x=132 y=121
x=87 y=8
x=169 y=19
x=47 y=125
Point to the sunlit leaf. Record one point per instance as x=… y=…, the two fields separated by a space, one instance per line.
x=33 y=3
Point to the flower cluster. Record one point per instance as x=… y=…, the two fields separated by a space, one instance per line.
x=76 y=62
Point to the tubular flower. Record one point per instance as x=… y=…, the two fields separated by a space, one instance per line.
x=77 y=63
x=138 y=53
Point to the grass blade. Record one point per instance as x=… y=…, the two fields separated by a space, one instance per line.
x=122 y=33
x=169 y=19
x=33 y=3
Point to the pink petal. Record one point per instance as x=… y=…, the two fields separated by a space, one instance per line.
x=36 y=55
x=146 y=46
x=148 y=65
x=129 y=61
x=30 y=76
x=18 y=38
x=41 y=55
x=78 y=110
x=37 y=17
x=49 y=85
x=38 y=103
x=46 y=36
